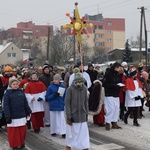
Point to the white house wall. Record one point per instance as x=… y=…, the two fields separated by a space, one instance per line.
x=4 y=59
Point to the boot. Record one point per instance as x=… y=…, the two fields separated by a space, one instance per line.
x=68 y=148
x=136 y=124
x=115 y=125
x=125 y=119
x=28 y=124
x=131 y=115
x=107 y=126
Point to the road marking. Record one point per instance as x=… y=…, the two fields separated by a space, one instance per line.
x=110 y=146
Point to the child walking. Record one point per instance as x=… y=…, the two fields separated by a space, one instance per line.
x=15 y=109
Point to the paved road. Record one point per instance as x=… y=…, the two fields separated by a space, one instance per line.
x=127 y=138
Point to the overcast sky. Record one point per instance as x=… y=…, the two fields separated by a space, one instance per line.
x=53 y=12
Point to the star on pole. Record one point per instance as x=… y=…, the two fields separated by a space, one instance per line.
x=78 y=25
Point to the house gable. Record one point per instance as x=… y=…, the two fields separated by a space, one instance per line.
x=10 y=54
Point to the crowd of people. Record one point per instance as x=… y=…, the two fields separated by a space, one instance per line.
x=62 y=100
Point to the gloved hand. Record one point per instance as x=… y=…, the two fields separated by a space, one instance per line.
x=39 y=99
x=56 y=94
x=8 y=120
x=137 y=98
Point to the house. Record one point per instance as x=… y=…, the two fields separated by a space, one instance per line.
x=117 y=55
x=10 y=54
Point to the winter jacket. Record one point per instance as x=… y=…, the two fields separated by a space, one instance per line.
x=46 y=79
x=15 y=104
x=56 y=103
x=76 y=104
x=111 y=79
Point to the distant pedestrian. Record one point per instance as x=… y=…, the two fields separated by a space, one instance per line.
x=76 y=105
x=15 y=109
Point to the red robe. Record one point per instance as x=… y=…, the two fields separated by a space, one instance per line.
x=36 y=87
x=129 y=84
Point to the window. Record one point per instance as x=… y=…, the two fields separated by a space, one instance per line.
x=100 y=27
x=109 y=23
x=11 y=54
x=37 y=30
x=101 y=35
x=109 y=48
x=95 y=27
x=101 y=44
x=109 y=31
x=109 y=40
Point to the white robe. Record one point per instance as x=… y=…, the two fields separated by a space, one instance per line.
x=35 y=105
x=129 y=96
x=77 y=136
x=57 y=122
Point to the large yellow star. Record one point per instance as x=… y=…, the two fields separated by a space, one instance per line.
x=78 y=25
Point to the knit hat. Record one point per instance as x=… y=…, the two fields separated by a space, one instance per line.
x=76 y=70
x=124 y=64
x=145 y=75
x=57 y=77
x=11 y=80
x=133 y=72
x=78 y=77
x=45 y=66
x=78 y=64
x=90 y=65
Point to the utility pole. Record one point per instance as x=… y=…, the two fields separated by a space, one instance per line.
x=141 y=26
x=48 y=39
x=145 y=32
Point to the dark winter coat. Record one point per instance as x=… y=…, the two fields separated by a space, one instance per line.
x=15 y=104
x=56 y=103
x=46 y=79
x=111 y=79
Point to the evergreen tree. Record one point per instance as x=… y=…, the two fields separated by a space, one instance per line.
x=127 y=56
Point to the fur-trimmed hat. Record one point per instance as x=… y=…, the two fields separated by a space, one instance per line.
x=11 y=80
x=140 y=65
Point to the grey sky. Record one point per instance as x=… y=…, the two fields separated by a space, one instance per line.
x=53 y=12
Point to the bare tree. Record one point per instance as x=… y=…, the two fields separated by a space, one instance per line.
x=99 y=55
x=61 y=49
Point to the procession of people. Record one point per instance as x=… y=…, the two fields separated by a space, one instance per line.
x=63 y=99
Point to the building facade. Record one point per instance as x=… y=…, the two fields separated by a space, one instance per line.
x=109 y=33
x=10 y=54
